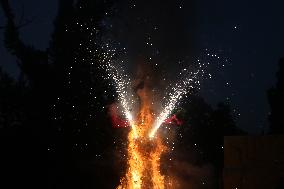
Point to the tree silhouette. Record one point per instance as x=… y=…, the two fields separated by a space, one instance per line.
x=60 y=105
x=276 y=102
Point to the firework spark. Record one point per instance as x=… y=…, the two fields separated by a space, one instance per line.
x=145 y=147
x=179 y=90
x=144 y=152
x=122 y=85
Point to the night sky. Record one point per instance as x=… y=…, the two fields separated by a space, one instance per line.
x=246 y=37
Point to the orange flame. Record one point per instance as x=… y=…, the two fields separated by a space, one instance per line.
x=144 y=154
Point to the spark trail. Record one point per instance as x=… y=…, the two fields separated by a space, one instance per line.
x=173 y=98
x=122 y=84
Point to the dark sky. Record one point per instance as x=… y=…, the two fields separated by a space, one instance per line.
x=246 y=35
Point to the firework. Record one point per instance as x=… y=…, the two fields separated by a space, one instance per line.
x=145 y=146
x=178 y=91
x=122 y=84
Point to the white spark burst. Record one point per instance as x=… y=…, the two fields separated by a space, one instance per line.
x=122 y=85
x=179 y=90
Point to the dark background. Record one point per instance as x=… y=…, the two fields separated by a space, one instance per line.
x=55 y=127
x=247 y=34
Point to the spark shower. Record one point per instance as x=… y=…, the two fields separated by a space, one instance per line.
x=145 y=144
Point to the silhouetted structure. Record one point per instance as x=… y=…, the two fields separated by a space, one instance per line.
x=254 y=162
x=276 y=101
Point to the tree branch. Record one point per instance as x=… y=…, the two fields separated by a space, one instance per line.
x=30 y=58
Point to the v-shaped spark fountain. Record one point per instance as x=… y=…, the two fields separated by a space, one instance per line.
x=145 y=145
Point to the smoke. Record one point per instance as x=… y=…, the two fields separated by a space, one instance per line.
x=156 y=32
x=191 y=176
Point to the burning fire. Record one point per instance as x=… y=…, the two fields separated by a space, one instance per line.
x=144 y=153
x=145 y=144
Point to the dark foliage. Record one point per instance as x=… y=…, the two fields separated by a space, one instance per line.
x=54 y=133
x=201 y=138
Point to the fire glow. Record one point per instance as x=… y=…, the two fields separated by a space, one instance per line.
x=143 y=153
x=145 y=144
